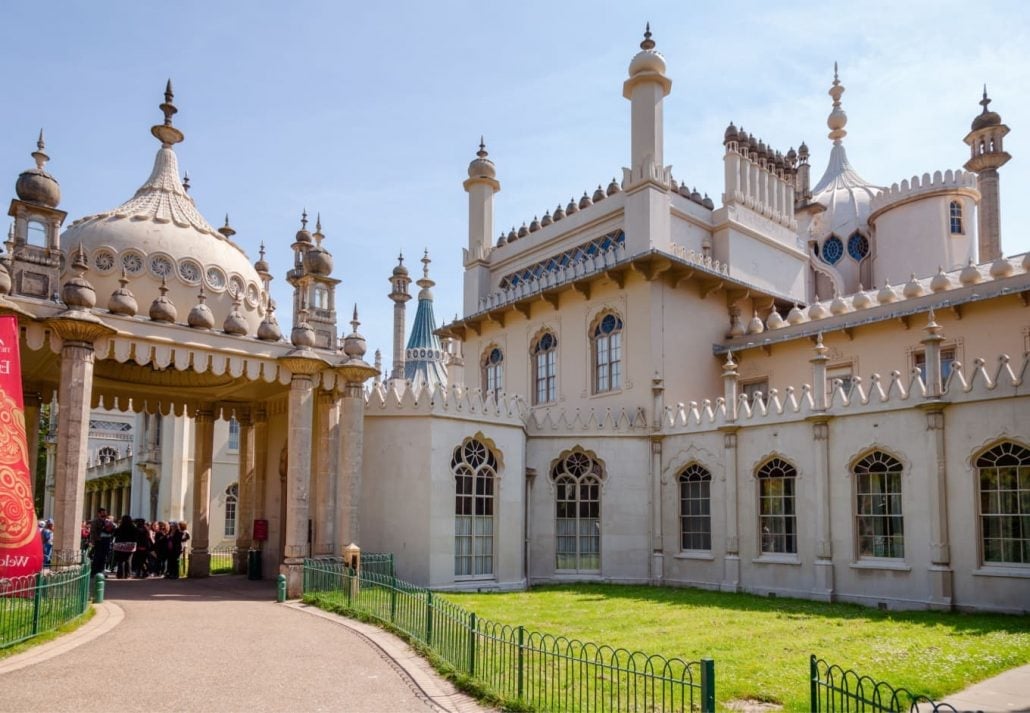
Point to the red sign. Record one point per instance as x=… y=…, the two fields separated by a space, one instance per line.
x=261 y=530
x=21 y=548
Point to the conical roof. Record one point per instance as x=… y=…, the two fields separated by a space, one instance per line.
x=424 y=360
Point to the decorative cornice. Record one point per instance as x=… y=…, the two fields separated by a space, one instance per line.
x=79 y=326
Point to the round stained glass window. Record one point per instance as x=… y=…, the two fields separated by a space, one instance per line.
x=858 y=246
x=496 y=357
x=609 y=324
x=833 y=250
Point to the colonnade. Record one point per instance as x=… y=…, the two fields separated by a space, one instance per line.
x=113 y=493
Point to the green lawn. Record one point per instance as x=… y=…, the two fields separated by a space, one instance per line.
x=761 y=646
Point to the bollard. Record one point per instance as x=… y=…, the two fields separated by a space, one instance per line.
x=280 y=584
x=98 y=591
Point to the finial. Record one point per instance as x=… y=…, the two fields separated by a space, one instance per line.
x=261 y=250
x=985 y=101
x=354 y=323
x=318 y=222
x=41 y=144
x=186 y=181
x=482 y=153
x=836 y=79
x=304 y=219
x=226 y=230
x=166 y=133
x=400 y=258
x=837 y=119
x=648 y=43
x=425 y=263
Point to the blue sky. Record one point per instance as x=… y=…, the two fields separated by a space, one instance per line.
x=370 y=115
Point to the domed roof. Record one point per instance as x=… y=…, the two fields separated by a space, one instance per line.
x=648 y=59
x=36 y=185
x=481 y=166
x=318 y=260
x=985 y=118
x=159 y=236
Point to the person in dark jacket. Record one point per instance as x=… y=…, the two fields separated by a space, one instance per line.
x=124 y=546
x=101 y=530
x=141 y=557
x=161 y=549
x=179 y=537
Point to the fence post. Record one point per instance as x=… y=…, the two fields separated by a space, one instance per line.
x=393 y=599
x=429 y=619
x=98 y=594
x=813 y=678
x=472 y=643
x=522 y=660
x=707 y=686
x=36 y=597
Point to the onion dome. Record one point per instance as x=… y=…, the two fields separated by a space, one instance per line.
x=752 y=143
x=775 y=321
x=162 y=309
x=755 y=326
x=559 y=213
x=730 y=135
x=481 y=166
x=694 y=195
x=318 y=260
x=792 y=156
x=201 y=317
x=534 y=225
x=599 y=194
x=838 y=305
x=235 y=324
x=940 y=281
x=861 y=300
x=803 y=152
x=512 y=235
x=302 y=336
x=571 y=207
x=502 y=240
x=303 y=235
x=122 y=300
x=261 y=265
x=523 y=231
x=585 y=201
x=546 y=220
x=818 y=311
x=683 y=190
x=268 y=330
x=970 y=274
x=1001 y=267
x=354 y=345
x=77 y=293
x=613 y=187
x=886 y=294
x=648 y=59
x=36 y=185
x=983 y=119
x=912 y=288
x=795 y=316
x=708 y=202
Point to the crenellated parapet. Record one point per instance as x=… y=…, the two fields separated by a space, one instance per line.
x=759 y=177
x=408 y=399
x=921 y=187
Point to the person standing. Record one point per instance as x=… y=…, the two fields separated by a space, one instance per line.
x=141 y=557
x=48 y=541
x=124 y=546
x=101 y=531
x=179 y=537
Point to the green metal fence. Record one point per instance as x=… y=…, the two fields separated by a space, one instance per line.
x=223 y=559
x=834 y=688
x=38 y=603
x=541 y=671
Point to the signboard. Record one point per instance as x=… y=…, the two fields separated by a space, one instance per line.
x=260 y=530
x=21 y=548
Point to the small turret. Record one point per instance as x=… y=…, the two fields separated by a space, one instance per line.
x=987 y=155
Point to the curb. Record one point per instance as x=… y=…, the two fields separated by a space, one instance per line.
x=108 y=616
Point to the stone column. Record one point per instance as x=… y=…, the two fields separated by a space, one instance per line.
x=298 y=475
x=937 y=494
x=245 y=506
x=326 y=473
x=348 y=493
x=657 y=523
x=731 y=563
x=203 y=451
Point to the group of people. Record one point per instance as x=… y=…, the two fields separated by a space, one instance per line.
x=134 y=547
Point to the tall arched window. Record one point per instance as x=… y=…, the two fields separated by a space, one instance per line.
x=777 y=518
x=545 y=362
x=955 y=215
x=1004 y=482
x=475 y=469
x=879 y=522
x=577 y=481
x=695 y=508
x=607 y=353
x=232 y=497
x=493 y=371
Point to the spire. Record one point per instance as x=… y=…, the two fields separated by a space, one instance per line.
x=167 y=134
x=39 y=154
x=482 y=153
x=425 y=283
x=227 y=230
x=983 y=102
x=837 y=119
x=186 y=182
x=425 y=361
x=648 y=43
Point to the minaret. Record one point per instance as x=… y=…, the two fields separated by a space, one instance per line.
x=986 y=157
x=399 y=282
x=480 y=185
x=425 y=362
x=646 y=88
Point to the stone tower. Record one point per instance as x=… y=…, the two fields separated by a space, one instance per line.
x=399 y=281
x=480 y=185
x=314 y=291
x=986 y=157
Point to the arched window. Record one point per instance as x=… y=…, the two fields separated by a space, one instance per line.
x=1003 y=473
x=955 y=214
x=858 y=246
x=493 y=372
x=607 y=353
x=577 y=481
x=35 y=233
x=879 y=522
x=833 y=250
x=107 y=454
x=232 y=497
x=695 y=508
x=777 y=515
x=475 y=468
x=545 y=362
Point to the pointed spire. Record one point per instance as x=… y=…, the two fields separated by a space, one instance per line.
x=354 y=323
x=983 y=102
x=648 y=43
x=482 y=153
x=227 y=230
x=304 y=218
x=837 y=119
x=166 y=133
x=186 y=181
x=39 y=154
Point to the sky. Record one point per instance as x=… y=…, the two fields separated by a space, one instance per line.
x=368 y=113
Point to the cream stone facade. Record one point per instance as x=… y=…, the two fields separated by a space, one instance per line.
x=812 y=388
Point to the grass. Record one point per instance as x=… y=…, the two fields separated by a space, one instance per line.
x=43 y=638
x=761 y=646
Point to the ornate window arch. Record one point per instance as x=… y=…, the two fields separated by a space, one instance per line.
x=879 y=523
x=695 y=508
x=577 y=477
x=606 y=352
x=1003 y=482
x=832 y=250
x=475 y=468
x=858 y=246
x=777 y=517
x=107 y=454
x=544 y=351
x=492 y=366
x=232 y=498
x=955 y=218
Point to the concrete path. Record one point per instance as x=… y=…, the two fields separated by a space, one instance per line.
x=220 y=644
x=1009 y=691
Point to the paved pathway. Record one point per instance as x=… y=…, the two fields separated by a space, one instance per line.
x=220 y=644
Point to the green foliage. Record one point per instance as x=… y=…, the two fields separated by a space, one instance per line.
x=761 y=646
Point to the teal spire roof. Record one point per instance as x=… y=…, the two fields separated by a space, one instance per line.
x=425 y=362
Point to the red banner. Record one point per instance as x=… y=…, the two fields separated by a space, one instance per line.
x=21 y=548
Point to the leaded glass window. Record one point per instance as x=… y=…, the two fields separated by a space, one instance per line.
x=493 y=372
x=858 y=246
x=232 y=497
x=545 y=362
x=695 y=508
x=955 y=216
x=607 y=340
x=878 y=512
x=833 y=250
x=475 y=469
x=577 y=481
x=777 y=514
x=1003 y=473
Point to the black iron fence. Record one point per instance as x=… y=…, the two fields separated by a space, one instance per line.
x=834 y=689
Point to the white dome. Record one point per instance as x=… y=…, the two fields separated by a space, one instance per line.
x=160 y=233
x=845 y=195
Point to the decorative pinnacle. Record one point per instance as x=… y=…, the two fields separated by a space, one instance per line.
x=186 y=181
x=80 y=264
x=261 y=250
x=163 y=289
x=226 y=230
x=40 y=155
x=985 y=101
x=354 y=323
x=201 y=296
x=425 y=264
x=837 y=119
x=482 y=153
x=166 y=133
x=124 y=279
x=648 y=43
x=400 y=258
x=167 y=107
x=41 y=144
x=304 y=219
x=318 y=223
